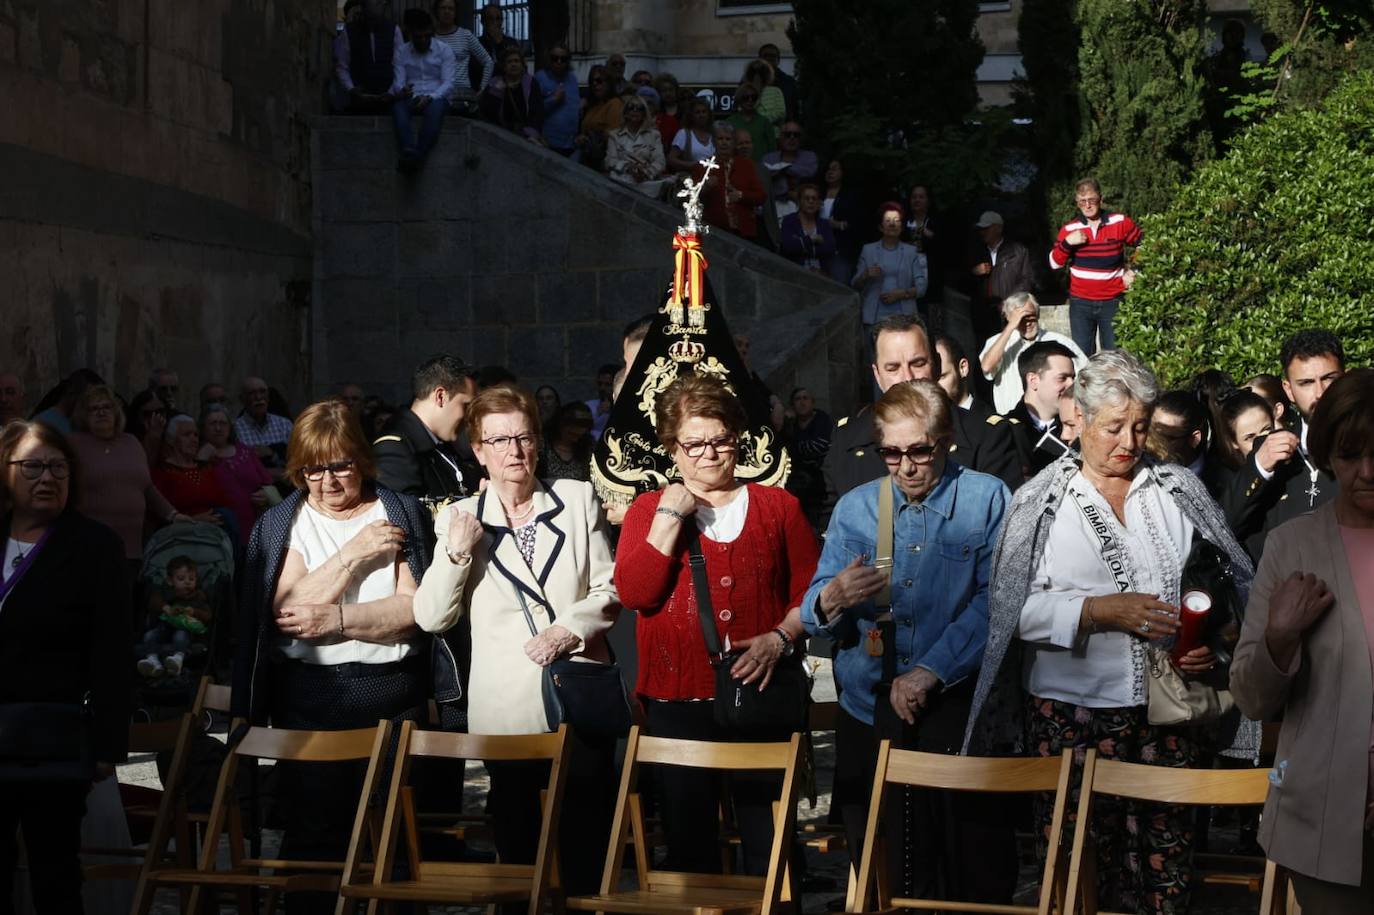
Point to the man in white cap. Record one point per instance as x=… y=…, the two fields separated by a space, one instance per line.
x=1000 y=267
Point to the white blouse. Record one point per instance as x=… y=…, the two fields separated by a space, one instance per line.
x=1108 y=669
x=318 y=538
x=724 y=524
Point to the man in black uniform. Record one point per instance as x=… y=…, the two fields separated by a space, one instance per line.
x=1047 y=373
x=1279 y=482
x=415 y=455
x=416 y=452
x=1179 y=429
x=904 y=353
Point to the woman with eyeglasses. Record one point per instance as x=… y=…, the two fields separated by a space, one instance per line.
x=602 y=112
x=326 y=636
x=513 y=99
x=64 y=645
x=748 y=119
x=911 y=640
x=146 y=420
x=188 y=483
x=529 y=564
x=634 y=153
x=117 y=489
x=760 y=554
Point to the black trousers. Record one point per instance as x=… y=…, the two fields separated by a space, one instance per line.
x=689 y=799
x=49 y=815
x=584 y=828
x=317 y=801
x=940 y=844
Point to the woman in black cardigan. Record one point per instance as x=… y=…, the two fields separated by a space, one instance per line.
x=64 y=638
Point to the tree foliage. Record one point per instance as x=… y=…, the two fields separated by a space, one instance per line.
x=1320 y=41
x=1276 y=237
x=891 y=85
x=1137 y=77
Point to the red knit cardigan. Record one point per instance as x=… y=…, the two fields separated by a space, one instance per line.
x=757 y=578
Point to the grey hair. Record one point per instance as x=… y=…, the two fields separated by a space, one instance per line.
x=169 y=434
x=722 y=127
x=1113 y=376
x=1016 y=300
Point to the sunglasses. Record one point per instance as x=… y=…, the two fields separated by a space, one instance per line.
x=919 y=455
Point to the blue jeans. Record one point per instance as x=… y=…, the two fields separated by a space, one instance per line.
x=431 y=120
x=1090 y=319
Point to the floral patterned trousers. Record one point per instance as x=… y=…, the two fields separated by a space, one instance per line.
x=1144 y=851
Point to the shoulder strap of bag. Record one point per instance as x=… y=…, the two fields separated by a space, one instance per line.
x=883 y=561
x=705 y=612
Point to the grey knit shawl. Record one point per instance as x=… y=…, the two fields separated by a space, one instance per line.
x=996 y=724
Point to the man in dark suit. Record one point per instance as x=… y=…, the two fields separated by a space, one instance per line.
x=417 y=452
x=1000 y=267
x=1047 y=373
x=904 y=353
x=1279 y=482
x=1179 y=430
x=982 y=438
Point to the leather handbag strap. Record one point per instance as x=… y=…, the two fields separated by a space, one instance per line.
x=883 y=561
x=705 y=612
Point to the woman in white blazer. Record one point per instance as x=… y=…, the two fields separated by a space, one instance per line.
x=522 y=545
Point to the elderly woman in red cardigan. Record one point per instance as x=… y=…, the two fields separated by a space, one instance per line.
x=760 y=555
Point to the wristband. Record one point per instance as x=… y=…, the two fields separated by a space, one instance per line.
x=458 y=558
x=670 y=512
x=788 y=646
x=341 y=631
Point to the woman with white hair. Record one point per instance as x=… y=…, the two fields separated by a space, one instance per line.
x=1085 y=588
x=190 y=485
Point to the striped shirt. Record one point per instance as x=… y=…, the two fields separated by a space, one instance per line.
x=1097 y=265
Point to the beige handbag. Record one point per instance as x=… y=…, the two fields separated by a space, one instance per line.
x=1174 y=699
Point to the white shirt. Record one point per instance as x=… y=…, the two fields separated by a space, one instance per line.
x=318 y=538
x=700 y=151
x=726 y=523
x=434 y=74
x=1007 y=388
x=1109 y=670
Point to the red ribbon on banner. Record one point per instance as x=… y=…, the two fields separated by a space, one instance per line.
x=689 y=270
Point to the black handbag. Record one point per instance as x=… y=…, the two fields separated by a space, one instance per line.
x=46 y=742
x=1208 y=568
x=740 y=706
x=589 y=696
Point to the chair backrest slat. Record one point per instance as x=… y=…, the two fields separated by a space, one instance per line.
x=971 y=773
x=307 y=746
x=155 y=736
x=1227 y=787
x=484 y=746
x=700 y=754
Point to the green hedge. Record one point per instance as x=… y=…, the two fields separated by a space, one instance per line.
x=1276 y=237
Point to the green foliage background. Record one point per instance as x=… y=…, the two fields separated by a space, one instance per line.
x=1276 y=237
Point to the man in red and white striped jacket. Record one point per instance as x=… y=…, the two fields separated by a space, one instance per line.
x=1092 y=246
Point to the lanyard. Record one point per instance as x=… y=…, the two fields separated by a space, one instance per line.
x=23 y=566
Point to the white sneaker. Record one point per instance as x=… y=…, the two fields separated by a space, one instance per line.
x=173 y=663
x=150 y=667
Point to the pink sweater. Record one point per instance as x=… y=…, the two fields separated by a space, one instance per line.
x=116 y=487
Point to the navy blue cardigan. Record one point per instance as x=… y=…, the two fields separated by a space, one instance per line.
x=255 y=628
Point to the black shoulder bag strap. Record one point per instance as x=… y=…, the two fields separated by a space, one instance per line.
x=705 y=612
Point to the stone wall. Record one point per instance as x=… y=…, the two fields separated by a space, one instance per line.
x=507 y=254
x=157 y=203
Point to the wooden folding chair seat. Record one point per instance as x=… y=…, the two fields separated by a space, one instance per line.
x=1016 y=775
x=1165 y=785
x=677 y=893
x=460 y=883
x=276 y=876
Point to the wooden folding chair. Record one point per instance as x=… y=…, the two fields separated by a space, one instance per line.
x=1018 y=775
x=1164 y=785
x=461 y=883
x=677 y=893
x=250 y=873
x=211 y=697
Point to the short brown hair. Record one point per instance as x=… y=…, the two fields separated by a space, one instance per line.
x=327 y=431
x=501 y=398
x=697 y=395
x=1343 y=424
x=924 y=400
x=15 y=432
x=1088 y=183
x=80 y=413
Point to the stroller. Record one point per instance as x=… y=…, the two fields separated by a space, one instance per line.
x=186 y=590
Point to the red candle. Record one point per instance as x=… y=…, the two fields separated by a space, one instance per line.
x=1196 y=604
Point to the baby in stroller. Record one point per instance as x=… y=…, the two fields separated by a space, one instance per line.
x=179 y=615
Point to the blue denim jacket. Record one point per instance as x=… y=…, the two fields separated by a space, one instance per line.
x=942 y=557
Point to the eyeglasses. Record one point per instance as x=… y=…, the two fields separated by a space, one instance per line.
x=640 y=108
x=501 y=443
x=341 y=470
x=791 y=134
x=723 y=444
x=920 y=455
x=33 y=469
